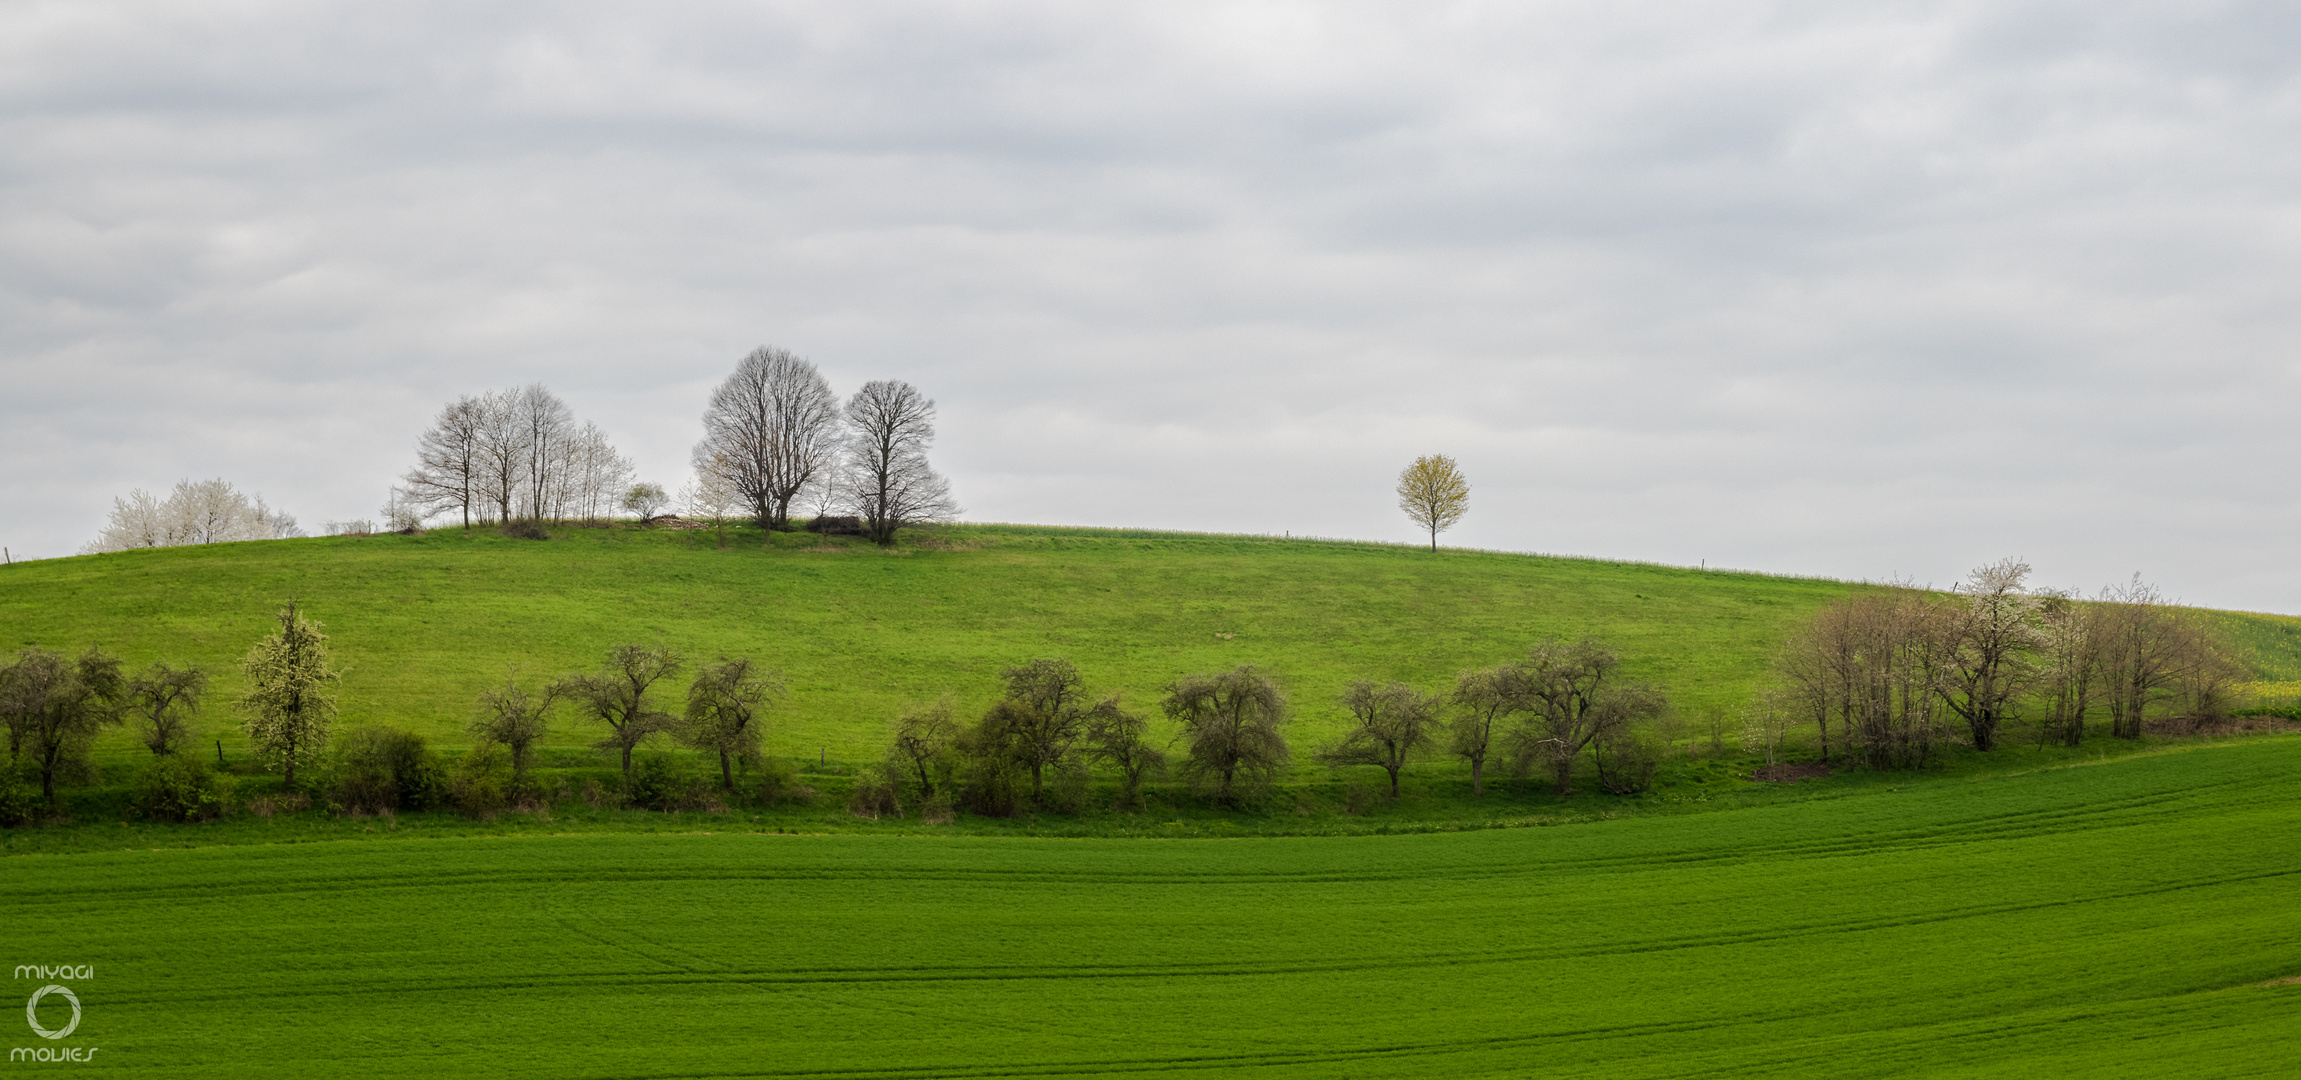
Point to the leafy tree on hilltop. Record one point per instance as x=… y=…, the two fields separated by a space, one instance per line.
x=1434 y=494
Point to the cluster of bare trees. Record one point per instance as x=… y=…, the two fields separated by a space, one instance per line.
x=1886 y=678
x=775 y=435
x=1543 y=714
x=514 y=455
x=196 y=512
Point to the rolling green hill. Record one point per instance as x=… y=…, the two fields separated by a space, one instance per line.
x=423 y=624
x=2115 y=920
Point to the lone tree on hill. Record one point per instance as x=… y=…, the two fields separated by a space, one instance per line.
x=891 y=425
x=617 y=696
x=163 y=700
x=289 y=703
x=1231 y=722
x=1392 y=723
x=723 y=710
x=54 y=708
x=1433 y=494
x=770 y=433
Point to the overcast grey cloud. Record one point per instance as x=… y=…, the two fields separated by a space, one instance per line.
x=1858 y=290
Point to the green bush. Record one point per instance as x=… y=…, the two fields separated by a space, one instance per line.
x=181 y=787
x=778 y=785
x=382 y=770
x=1626 y=762
x=658 y=783
x=875 y=795
x=481 y=786
x=16 y=805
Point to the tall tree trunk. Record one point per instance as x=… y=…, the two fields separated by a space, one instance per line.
x=1477 y=781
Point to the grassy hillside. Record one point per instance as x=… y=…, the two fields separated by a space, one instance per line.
x=2113 y=920
x=423 y=624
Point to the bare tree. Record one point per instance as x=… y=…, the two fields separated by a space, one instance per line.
x=1574 y=694
x=1483 y=700
x=1045 y=714
x=597 y=474
x=617 y=697
x=55 y=707
x=710 y=497
x=770 y=433
x=1391 y=724
x=1115 y=737
x=723 y=708
x=2070 y=651
x=2143 y=653
x=1989 y=640
x=1231 y=722
x=1434 y=494
x=544 y=425
x=925 y=745
x=891 y=424
x=501 y=449
x=163 y=699
x=516 y=720
x=289 y=703
x=448 y=473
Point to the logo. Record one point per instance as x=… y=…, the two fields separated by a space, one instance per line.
x=56 y=995
x=32 y=1011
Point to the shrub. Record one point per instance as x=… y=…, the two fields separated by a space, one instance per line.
x=16 y=804
x=524 y=529
x=875 y=795
x=778 y=785
x=657 y=783
x=1066 y=791
x=181 y=787
x=835 y=525
x=481 y=785
x=381 y=770
x=1626 y=763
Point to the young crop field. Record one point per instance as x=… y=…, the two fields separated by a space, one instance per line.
x=2126 y=919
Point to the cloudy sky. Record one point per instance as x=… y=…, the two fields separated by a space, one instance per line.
x=1865 y=290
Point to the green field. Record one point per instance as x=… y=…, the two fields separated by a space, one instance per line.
x=2111 y=920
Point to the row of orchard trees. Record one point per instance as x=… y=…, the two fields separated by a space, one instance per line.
x=1886 y=678
x=510 y=455
x=1037 y=745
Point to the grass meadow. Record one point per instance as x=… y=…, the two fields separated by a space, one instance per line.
x=2118 y=909
x=2103 y=920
